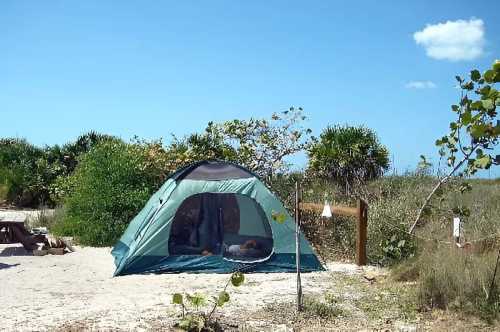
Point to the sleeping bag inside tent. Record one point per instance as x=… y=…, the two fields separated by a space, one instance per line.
x=216 y=217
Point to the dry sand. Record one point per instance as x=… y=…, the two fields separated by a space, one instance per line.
x=44 y=293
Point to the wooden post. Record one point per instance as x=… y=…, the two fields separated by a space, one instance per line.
x=362 y=226
x=297 y=245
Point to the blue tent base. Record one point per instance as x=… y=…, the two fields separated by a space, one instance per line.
x=217 y=264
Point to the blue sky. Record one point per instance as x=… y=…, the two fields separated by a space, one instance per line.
x=151 y=68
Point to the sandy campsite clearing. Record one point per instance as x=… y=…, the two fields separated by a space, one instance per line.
x=51 y=291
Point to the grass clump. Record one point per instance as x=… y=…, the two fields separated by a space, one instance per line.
x=48 y=218
x=454 y=279
x=328 y=309
x=316 y=309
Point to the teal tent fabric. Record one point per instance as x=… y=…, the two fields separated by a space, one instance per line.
x=223 y=203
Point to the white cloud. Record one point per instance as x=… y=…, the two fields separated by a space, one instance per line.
x=453 y=40
x=420 y=85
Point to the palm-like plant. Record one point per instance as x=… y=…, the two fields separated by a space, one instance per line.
x=349 y=155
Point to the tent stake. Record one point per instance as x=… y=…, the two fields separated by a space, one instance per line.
x=297 y=245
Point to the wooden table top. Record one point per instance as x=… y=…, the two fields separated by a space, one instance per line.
x=12 y=217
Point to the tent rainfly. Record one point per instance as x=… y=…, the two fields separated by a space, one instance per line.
x=216 y=217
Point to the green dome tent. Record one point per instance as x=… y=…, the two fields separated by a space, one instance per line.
x=212 y=216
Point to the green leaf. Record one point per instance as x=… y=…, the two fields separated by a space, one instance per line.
x=223 y=298
x=466 y=118
x=279 y=217
x=237 y=278
x=475 y=75
x=483 y=162
x=439 y=142
x=468 y=86
x=492 y=93
x=455 y=108
x=478 y=130
x=484 y=91
x=489 y=76
x=496 y=66
x=191 y=322
x=197 y=299
x=177 y=298
x=477 y=105
x=488 y=104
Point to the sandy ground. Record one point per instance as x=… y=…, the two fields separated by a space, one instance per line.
x=47 y=292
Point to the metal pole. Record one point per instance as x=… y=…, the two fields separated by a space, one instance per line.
x=297 y=245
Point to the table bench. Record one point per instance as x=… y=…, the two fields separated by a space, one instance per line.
x=13 y=230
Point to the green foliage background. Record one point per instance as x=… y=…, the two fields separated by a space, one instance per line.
x=109 y=186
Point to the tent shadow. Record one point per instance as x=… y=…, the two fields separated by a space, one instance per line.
x=6 y=266
x=15 y=251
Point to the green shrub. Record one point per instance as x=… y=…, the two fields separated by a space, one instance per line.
x=4 y=191
x=62 y=160
x=392 y=204
x=28 y=174
x=108 y=188
x=21 y=169
x=451 y=278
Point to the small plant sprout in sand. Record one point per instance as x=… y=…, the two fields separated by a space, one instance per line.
x=198 y=309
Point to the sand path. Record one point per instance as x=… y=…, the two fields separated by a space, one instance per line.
x=45 y=292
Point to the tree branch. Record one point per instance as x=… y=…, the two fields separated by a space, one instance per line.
x=437 y=186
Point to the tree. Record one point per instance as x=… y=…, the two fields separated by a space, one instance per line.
x=470 y=144
x=349 y=155
x=68 y=154
x=262 y=145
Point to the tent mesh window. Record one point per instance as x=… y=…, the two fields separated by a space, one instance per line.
x=231 y=225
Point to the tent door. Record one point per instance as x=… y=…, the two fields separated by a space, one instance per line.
x=231 y=225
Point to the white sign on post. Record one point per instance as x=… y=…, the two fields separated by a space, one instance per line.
x=456 y=227
x=327 y=212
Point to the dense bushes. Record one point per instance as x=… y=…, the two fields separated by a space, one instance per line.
x=28 y=174
x=22 y=172
x=110 y=185
x=393 y=202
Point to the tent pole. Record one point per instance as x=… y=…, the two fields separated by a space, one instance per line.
x=297 y=245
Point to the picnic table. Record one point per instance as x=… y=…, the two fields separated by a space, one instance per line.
x=13 y=230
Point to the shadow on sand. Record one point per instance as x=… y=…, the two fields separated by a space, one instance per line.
x=6 y=266
x=14 y=251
